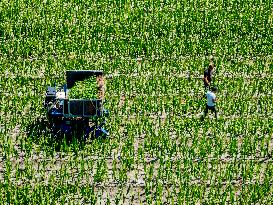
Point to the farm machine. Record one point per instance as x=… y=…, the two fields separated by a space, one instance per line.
x=76 y=117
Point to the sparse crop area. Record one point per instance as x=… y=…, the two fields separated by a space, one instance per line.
x=153 y=54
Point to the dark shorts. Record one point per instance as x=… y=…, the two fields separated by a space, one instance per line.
x=212 y=108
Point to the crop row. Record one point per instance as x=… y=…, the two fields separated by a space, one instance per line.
x=169 y=28
x=208 y=174
x=191 y=138
x=153 y=54
x=184 y=171
x=188 y=86
x=129 y=86
x=151 y=107
x=65 y=193
x=53 y=67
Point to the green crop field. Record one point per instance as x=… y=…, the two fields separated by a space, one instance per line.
x=153 y=54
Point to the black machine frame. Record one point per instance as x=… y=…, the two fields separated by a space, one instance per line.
x=71 y=111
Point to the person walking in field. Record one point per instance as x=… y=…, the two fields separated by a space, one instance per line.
x=208 y=73
x=211 y=102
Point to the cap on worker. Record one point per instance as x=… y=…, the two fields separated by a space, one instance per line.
x=211 y=65
x=214 y=88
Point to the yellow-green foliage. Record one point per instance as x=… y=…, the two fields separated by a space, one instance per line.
x=158 y=151
x=86 y=89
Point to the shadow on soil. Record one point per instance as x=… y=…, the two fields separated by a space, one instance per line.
x=39 y=132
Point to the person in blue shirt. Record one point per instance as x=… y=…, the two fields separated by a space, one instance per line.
x=211 y=102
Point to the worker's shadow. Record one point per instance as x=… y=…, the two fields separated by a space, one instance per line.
x=41 y=134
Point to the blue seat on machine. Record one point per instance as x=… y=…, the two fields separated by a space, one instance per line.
x=56 y=112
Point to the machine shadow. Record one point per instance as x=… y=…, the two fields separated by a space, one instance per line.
x=71 y=122
x=40 y=132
